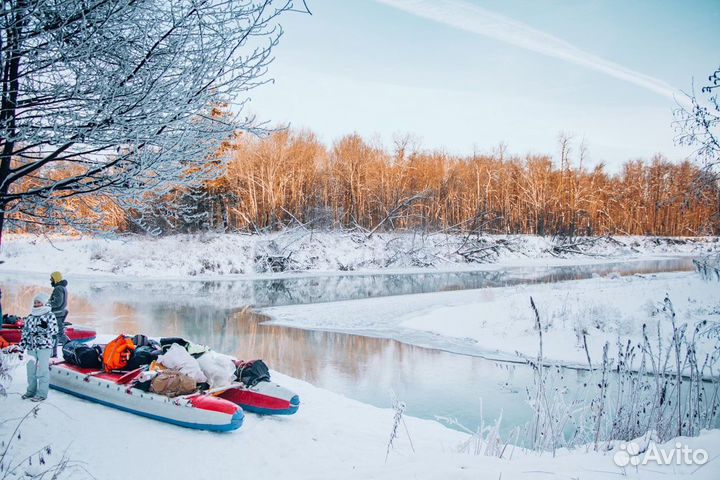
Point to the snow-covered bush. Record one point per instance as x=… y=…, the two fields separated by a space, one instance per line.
x=485 y=440
x=708 y=267
x=399 y=411
x=290 y=250
x=653 y=385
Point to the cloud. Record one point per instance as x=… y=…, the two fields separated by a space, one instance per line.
x=466 y=16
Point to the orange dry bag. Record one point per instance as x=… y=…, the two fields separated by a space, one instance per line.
x=117 y=353
x=3 y=343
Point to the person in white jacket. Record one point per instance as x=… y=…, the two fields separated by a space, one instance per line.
x=38 y=336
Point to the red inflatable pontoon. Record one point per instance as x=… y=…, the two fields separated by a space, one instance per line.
x=13 y=332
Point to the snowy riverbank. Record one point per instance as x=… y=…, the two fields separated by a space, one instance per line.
x=499 y=322
x=296 y=251
x=330 y=437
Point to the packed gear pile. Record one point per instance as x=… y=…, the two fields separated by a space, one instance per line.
x=171 y=366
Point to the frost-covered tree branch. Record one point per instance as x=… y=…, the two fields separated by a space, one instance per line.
x=124 y=96
x=698 y=125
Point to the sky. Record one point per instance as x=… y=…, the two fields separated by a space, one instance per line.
x=464 y=76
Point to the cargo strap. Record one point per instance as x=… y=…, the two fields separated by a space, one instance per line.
x=92 y=374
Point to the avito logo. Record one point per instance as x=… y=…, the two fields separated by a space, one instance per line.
x=629 y=454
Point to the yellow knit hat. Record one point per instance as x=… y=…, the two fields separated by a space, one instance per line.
x=56 y=277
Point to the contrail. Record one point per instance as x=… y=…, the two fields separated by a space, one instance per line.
x=466 y=16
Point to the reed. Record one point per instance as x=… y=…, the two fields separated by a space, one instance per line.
x=657 y=387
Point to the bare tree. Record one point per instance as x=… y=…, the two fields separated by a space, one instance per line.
x=123 y=97
x=698 y=126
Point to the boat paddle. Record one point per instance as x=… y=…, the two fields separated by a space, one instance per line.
x=131 y=375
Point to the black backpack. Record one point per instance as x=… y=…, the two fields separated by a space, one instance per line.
x=252 y=373
x=82 y=355
x=144 y=386
x=141 y=340
x=10 y=319
x=142 y=356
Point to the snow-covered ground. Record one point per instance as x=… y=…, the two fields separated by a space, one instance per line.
x=331 y=437
x=234 y=255
x=499 y=322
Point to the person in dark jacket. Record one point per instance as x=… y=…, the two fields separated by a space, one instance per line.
x=58 y=303
x=38 y=335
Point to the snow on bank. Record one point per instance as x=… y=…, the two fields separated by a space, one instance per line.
x=499 y=323
x=297 y=250
x=331 y=437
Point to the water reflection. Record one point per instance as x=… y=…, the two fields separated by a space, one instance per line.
x=431 y=382
x=329 y=288
x=290 y=291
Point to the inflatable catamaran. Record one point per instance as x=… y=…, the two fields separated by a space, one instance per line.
x=84 y=374
x=199 y=411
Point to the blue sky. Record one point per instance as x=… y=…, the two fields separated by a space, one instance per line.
x=466 y=75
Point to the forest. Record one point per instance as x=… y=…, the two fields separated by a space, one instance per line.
x=290 y=177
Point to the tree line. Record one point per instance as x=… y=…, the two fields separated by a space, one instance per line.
x=291 y=178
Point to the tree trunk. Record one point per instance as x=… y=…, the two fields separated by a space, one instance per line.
x=10 y=87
